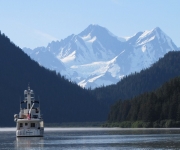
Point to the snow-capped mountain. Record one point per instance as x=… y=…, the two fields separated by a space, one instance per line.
x=96 y=57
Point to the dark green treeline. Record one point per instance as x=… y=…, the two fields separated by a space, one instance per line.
x=162 y=104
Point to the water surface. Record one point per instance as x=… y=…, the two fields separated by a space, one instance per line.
x=93 y=138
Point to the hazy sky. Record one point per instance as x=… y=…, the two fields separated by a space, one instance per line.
x=35 y=23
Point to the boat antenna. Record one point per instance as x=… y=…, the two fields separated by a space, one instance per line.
x=39 y=102
x=20 y=102
x=29 y=86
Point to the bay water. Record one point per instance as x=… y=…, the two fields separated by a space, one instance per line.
x=93 y=139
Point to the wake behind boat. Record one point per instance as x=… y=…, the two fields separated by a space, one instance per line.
x=29 y=122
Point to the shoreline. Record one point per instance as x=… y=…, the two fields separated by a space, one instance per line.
x=6 y=129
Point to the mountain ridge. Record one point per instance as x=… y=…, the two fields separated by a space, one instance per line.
x=87 y=58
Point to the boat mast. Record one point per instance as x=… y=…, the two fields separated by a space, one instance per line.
x=28 y=96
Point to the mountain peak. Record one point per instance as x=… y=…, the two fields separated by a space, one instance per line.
x=157 y=29
x=153 y=34
x=94 y=26
x=93 y=29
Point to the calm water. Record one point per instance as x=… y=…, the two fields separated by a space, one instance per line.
x=93 y=138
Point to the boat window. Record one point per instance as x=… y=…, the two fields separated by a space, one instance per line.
x=21 y=125
x=35 y=116
x=37 y=110
x=26 y=124
x=32 y=124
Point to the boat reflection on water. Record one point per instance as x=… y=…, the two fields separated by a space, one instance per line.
x=29 y=142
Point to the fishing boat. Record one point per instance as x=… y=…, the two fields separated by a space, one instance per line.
x=29 y=121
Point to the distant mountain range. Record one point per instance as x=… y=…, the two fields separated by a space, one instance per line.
x=96 y=57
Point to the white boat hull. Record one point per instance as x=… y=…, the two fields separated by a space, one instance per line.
x=30 y=132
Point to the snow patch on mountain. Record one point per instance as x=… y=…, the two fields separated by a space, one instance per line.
x=68 y=58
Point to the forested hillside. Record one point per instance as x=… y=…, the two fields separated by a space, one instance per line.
x=61 y=100
x=145 y=81
x=152 y=107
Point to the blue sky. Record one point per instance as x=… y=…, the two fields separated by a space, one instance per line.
x=35 y=23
